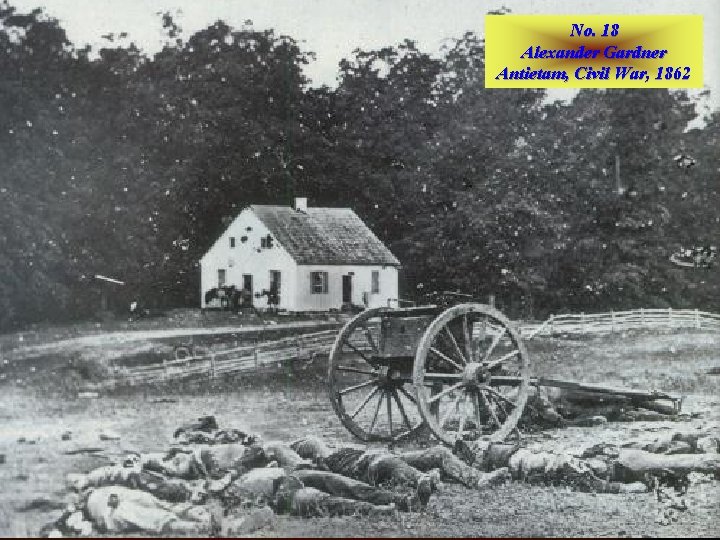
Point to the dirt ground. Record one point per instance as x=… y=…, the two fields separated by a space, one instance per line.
x=38 y=411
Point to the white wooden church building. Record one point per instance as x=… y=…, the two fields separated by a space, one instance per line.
x=317 y=258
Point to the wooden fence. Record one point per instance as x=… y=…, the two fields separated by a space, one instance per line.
x=203 y=362
x=620 y=321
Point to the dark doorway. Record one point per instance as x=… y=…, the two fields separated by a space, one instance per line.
x=247 y=289
x=347 y=289
x=274 y=293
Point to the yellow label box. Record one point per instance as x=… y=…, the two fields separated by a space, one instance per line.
x=593 y=51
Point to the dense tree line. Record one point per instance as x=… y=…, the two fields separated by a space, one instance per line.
x=128 y=165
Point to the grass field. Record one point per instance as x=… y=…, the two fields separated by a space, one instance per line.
x=38 y=407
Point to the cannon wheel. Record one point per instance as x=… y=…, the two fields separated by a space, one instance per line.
x=373 y=400
x=471 y=375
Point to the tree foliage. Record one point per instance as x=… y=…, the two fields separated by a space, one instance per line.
x=128 y=165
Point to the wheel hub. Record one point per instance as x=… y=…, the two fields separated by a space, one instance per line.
x=476 y=374
x=387 y=376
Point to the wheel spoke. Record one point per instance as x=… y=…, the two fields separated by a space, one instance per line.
x=445 y=392
x=370 y=339
x=499 y=403
x=354 y=348
x=500 y=360
x=494 y=343
x=503 y=380
x=365 y=401
x=483 y=328
x=377 y=410
x=389 y=411
x=408 y=395
x=476 y=407
x=463 y=418
x=354 y=370
x=488 y=405
x=467 y=338
x=356 y=387
x=446 y=358
x=402 y=409
x=443 y=376
x=500 y=396
x=455 y=345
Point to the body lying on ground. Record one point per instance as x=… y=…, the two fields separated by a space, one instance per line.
x=163 y=492
x=254 y=472
x=272 y=474
x=549 y=406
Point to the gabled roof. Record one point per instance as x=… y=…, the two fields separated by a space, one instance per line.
x=324 y=236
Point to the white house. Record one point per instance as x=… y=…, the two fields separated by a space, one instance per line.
x=318 y=258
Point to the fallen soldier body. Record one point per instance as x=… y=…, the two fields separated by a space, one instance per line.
x=131 y=474
x=379 y=466
x=372 y=466
x=556 y=407
x=305 y=477
x=154 y=492
x=117 y=509
x=129 y=498
x=120 y=509
x=604 y=468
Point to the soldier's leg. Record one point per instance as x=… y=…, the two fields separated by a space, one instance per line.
x=311 y=448
x=371 y=466
x=389 y=468
x=375 y=468
x=342 y=486
x=439 y=457
x=311 y=502
x=182 y=527
x=547 y=468
x=285 y=456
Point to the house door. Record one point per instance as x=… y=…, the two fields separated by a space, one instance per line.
x=274 y=293
x=347 y=289
x=247 y=289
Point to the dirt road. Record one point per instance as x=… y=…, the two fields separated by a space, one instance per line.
x=105 y=339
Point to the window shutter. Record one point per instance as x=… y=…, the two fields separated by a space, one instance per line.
x=325 y=282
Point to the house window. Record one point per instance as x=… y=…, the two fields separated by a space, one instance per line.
x=221 y=277
x=318 y=282
x=375 y=282
x=232 y=241
x=266 y=242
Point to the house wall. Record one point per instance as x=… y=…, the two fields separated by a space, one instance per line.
x=249 y=257
x=361 y=282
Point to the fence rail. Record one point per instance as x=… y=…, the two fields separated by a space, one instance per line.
x=620 y=321
x=200 y=361
x=193 y=361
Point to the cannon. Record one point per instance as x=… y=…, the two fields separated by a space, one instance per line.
x=460 y=371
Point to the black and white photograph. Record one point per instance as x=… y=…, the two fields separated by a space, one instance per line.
x=288 y=268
